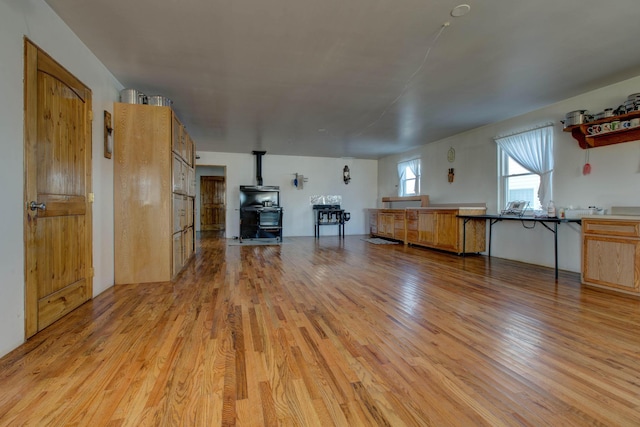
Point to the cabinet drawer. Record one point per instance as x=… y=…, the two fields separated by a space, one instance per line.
x=611 y=228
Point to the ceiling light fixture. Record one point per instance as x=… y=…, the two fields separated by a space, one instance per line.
x=460 y=10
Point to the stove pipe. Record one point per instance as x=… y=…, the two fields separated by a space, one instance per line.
x=259 y=155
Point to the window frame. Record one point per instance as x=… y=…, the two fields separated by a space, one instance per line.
x=532 y=149
x=503 y=179
x=403 y=180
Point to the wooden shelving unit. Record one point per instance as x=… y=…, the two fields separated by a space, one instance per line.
x=580 y=133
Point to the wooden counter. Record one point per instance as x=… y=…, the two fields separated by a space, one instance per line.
x=435 y=227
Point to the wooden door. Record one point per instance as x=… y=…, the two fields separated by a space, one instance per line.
x=58 y=240
x=212 y=203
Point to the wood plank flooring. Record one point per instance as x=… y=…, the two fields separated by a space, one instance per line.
x=335 y=332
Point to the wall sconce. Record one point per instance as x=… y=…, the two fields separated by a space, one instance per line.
x=108 y=135
x=346 y=174
x=451 y=175
x=299 y=180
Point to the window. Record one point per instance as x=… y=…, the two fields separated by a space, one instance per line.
x=525 y=167
x=409 y=178
x=518 y=183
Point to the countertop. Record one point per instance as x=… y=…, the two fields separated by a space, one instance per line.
x=461 y=207
x=449 y=207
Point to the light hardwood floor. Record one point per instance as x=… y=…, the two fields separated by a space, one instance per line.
x=329 y=332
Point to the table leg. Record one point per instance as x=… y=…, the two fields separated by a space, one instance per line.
x=490 y=230
x=555 y=235
x=464 y=236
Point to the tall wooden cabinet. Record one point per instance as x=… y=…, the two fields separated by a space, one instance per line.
x=154 y=191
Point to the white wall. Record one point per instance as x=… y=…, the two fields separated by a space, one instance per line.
x=35 y=20
x=325 y=177
x=614 y=180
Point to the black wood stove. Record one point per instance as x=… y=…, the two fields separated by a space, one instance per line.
x=260 y=210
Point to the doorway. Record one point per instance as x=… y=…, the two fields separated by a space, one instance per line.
x=212 y=203
x=57 y=182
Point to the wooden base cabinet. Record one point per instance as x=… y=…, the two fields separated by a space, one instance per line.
x=442 y=229
x=153 y=194
x=611 y=254
x=438 y=228
x=387 y=223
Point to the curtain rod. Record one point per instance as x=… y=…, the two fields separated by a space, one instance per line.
x=540 y=126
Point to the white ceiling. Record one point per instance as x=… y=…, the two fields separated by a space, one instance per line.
x=334 y=77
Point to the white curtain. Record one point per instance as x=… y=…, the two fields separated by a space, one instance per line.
x=533 y=150
x=414 y=166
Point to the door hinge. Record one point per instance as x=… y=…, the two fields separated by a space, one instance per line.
x=90 y=115
x=92 y=197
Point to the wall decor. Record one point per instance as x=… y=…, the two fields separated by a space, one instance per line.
x=108 y=135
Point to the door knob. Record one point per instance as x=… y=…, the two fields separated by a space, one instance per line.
x=33 y=206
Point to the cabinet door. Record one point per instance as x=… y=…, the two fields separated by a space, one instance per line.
x=189 y=208
x=188 y=243
x=177 y=175
x=178 y=256
x=193 y=153
x=373 y=222
x=385 y=224
x=183 y=145
x=611 y=261
x=398 y=226
x=427 y=228
x=189 y=148
x=411 y=226
x=176 y=137
x=447 y=230
x=381 y=228
x=191 y=182
x=183 y=214
x=178 y=209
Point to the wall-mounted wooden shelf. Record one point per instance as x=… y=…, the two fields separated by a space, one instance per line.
x=424 y=200
x=580 y=133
